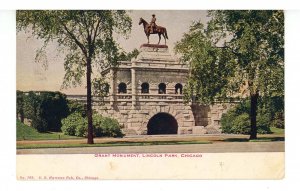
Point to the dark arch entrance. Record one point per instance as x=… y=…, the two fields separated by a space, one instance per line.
x=162 y=123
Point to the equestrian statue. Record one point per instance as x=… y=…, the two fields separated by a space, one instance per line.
x=152 y=28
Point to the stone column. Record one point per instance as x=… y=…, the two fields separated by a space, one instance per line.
x=133 y=85
x=112 y=87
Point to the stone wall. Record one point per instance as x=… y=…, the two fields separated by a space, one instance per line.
x=134 y=121
x=189 y=118
x=210 y=116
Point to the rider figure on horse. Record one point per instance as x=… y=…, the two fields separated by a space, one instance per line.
x=152 y=24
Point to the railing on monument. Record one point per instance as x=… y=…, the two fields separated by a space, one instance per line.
x=82 y=98
x=123 y=97
x=158 y=63
x=147 y=97
x=153 y=63
x=128 y=97
x=158 y=97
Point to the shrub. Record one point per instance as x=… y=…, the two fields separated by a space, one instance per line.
x=111 y=128
x=226 y=121
x=237 y=122
x=77 y=125
x=73 y=125
x=97 y=120
x=82 y=128
x=263 y=123
x=241 y=124
x=278 y=121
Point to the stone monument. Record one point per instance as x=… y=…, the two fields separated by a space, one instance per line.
x=146 y=96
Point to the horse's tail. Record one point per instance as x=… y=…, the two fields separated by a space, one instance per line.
x=166 y=34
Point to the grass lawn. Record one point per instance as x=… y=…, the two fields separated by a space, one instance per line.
x=277 y=130
x=25 y=132
x=259 y=139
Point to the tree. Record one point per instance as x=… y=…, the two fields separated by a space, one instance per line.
x=44 y=109
x=76 y=106
x=237 y=53
x=128 y=56
x=31 y=103
x=52 y=109
x=20 y=105
x=85 y=36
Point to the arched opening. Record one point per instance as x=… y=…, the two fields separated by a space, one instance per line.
x=105 y=88
x=178 y=88
x=122 y=88
x=145 y=88
x=162 y=123
x=162 y=88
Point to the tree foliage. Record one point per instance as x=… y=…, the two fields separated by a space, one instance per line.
x=31 y=102
x=86 y=39
x=44 y=109
x=123 y=56
x=76 y=107
x=268 y=112
x=20 y=106
x=80 y=35
x=236 y=54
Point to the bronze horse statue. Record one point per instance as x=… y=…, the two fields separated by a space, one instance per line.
x=158 y=30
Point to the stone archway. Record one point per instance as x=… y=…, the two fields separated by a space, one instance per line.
x=162 y=123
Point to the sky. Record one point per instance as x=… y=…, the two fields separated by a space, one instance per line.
x=33 y=76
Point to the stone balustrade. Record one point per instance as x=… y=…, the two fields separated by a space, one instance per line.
x=128 y=97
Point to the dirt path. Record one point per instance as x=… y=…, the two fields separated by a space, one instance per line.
x=144 y=138
x=148 y=138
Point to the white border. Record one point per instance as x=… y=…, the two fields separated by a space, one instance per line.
x=153 y=4
x=7 y=39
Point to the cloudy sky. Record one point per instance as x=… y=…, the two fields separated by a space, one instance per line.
x=32 y=75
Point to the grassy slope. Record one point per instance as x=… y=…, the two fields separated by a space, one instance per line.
x=277 y=130
x=25 y=132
